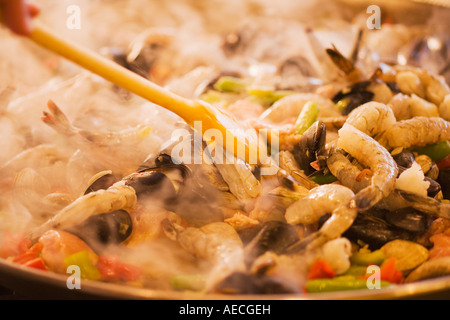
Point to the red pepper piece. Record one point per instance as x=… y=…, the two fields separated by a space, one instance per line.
x=320 y=269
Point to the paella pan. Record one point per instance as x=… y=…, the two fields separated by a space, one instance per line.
x=106 y=195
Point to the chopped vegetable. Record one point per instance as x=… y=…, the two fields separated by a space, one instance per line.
x=87 y=269
x=36 y=263
x=444 y=163
x=323 y=178
x=338 y=284
x=320 y=269
x=389 y=272
x=363 y=258
x=192 y=282
x=356 y=271
x=31 y=258
x=307 y=117
x=341 y=105
x=266 y=97
x=230 y=84
x=436 y=152
x=111 y=267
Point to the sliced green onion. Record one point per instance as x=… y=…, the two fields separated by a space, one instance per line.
x=266 y=97
x=230 y=84
x=307 y=117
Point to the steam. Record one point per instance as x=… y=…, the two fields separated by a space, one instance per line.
x=42 y=170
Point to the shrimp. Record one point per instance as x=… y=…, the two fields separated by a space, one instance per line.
x=417 y=131
x=371 y=118
x=330 y=198
x=346 y=172
x=352 y=177
x=118 y=196
x=374 y=156
x=40 y=156
x=444 y=108
x=288 y=163
x=406 y=107
x=417 y=81
x=289 y=107
x=112 y=147
x=240 y=179
x=217 y=243
x=57 y=245
x=427 y=204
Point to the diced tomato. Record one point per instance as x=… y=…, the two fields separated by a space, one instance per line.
x=444 y=163
x=111 y=267
x=14 y=245
x=389 y=273
x=24 y=257
x=315 y=165
x=30 y=254
x=320 y=269
x=36 y=263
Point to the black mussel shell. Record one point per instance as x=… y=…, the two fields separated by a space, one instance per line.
x=245 y=283
x=434 y=187
x=404 y=159
x=275 y=236
x=311 y=147
x=104 y=229
x=375 y=232
x=156 y=183
x=444 y=181
x=355 y=95
x=151 y=183
x=409 y=219
x=102 y=183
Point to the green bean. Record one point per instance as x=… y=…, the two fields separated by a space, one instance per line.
x=307 y=117
x=323 y=178
x=230 y=84
x=367 y=258
x=339 y=284
x=266 y=97
x=356 y=271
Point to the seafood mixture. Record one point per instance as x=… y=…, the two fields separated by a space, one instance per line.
x=362 y=179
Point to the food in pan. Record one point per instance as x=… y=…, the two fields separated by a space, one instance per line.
x=360 y=197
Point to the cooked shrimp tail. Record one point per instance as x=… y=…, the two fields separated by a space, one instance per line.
x=426 y=204
x=58 y=120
